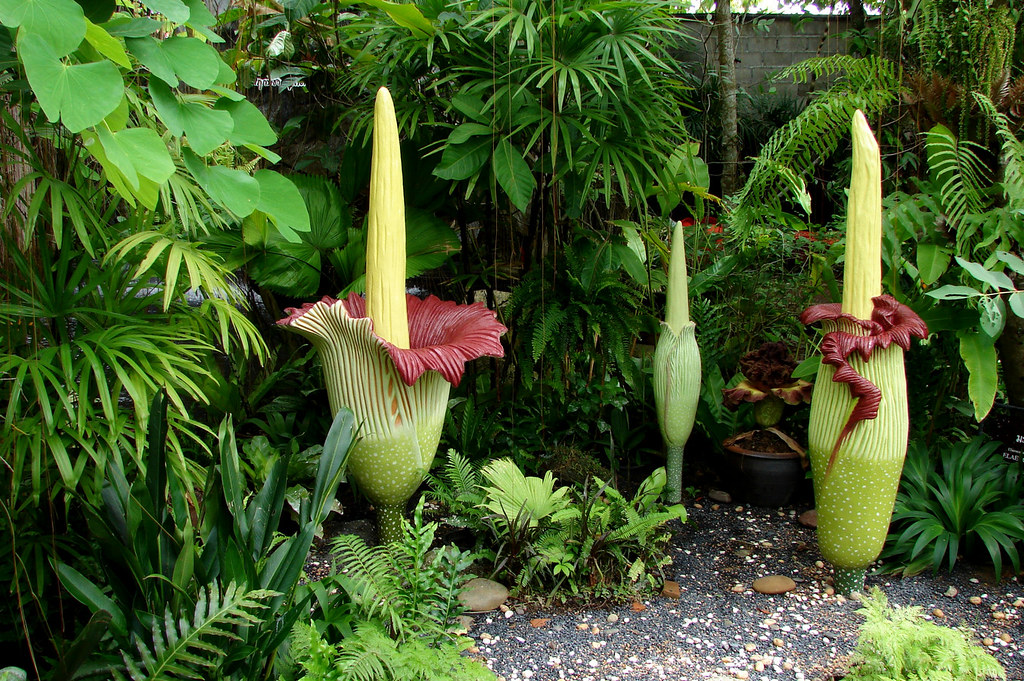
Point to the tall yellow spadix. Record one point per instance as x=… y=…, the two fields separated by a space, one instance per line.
x=862 y=274
x=385 y=239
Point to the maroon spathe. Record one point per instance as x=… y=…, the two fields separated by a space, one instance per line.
x=443 y=335
x=891 y=322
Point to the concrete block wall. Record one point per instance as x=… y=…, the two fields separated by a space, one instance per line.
x=766 y=44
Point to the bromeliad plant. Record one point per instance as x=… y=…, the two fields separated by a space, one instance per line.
x=859 y=416
x=677 y=369
x=392 y=357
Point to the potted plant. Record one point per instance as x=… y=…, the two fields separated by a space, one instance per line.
x=770 y=462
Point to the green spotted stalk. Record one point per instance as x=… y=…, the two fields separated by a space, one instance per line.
x=676 y=369
x=859 y=420
x=392 y=357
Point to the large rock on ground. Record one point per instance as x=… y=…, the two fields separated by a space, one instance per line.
x=482 y=595
x=775 y=584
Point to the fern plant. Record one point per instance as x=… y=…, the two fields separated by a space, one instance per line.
x=896 y=644
x=459 y=491
x=194 y=648
x=586 y=309
x=370 y=654
x=589 y=540
x=788 y=158
x=409 y=588
x=612 y=543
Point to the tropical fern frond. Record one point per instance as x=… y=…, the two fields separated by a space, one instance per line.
x=1012 y=150
x=962 y=177
x=371 y=577
x=184 y=649
x=365 y=656
x=798 y=146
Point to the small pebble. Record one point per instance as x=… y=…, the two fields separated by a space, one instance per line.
x=1005 y=638
x=778 y=642
x=987 y=642
x=737 y=588
x=750 y=647
x=938 y=613
x=998 y=615
x=613 y=618
x=951 y=592
x=742 y=674
x=975 y=600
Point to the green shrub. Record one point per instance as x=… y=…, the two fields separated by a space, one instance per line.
x=391 y=617
x=896 y=644
x=949 y=506
x=588 y=539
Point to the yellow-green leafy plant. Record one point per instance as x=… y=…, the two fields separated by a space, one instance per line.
x=392 y=357
x=859 y=420
x=676 y=369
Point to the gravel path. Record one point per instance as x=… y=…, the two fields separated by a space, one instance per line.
x=720 y=629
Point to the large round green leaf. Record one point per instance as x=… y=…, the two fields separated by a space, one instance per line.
x=234 y=189
x=147 y=50
x=175 y=10
x=250 y=125
x=205 y=128
x=280 y=200
x=197 y=63
x=61 y=23
x=80 y=95
x=144 y=150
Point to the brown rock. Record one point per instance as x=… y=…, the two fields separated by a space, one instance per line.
x=975 y=600
x=482 y=595
x=539 y=622
x=1005 y=638
x=670 y=590
x=775 y=584
x=809 y=518
x=938 y=613
x=720 y=496
x=987 y=642
x=638 y=606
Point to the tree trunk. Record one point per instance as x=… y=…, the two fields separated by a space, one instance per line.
x=727 y=91
x=1011 y=356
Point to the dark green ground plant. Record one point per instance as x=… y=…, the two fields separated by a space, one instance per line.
x=401 y=601
x=965 y=499
x=613 y=545
x=897 y=644
x=164 y=549
x=573 y=541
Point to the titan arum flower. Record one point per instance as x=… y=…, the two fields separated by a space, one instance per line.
x=676 y=369
x=392 y=358
x=859 y=418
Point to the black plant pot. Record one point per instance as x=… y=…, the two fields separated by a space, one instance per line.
x=766 y=478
